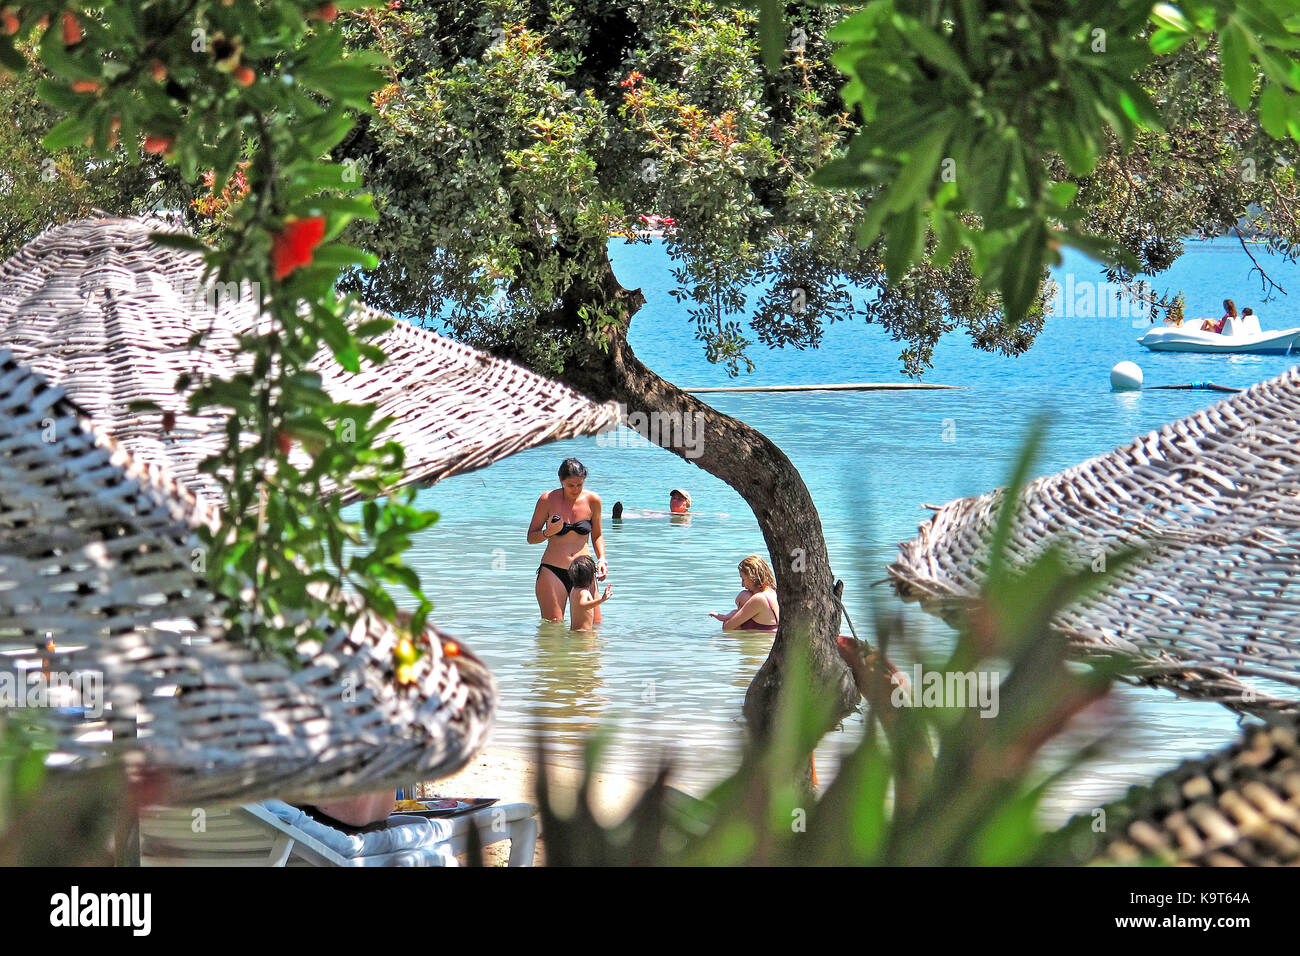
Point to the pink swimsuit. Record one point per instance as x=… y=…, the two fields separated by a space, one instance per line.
x=753 y=625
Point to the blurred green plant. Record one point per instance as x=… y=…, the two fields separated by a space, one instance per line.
x=927 y=785
x=45 y=820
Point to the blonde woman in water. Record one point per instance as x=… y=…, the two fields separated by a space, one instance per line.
x=756 y=605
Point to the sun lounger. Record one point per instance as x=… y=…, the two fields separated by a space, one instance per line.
x=273 y=833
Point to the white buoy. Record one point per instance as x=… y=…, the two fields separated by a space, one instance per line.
x=1125 y=376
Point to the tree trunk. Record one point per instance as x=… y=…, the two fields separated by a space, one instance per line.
x=751 y=464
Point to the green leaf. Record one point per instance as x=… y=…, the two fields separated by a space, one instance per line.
x=948 y=233
x=1079 y=150
x=904 y=240
x=1063 y=193
x=1011 y=833
x=936 y=49
x=349 y=357
x=1274 y=110
x=308 y=426
x=1238 y=70
x=69 y=132
x=373 y=327
x=322 y=133
x=362 y=206
x=916 y=176
x=343 y=81
x=58 y=61
x=61 y=97
x=771 y=32
x=1165 y=41
x=989 y=157
x=1137 y=104
x=840 y=174
x=187 y=160
x=1023 y=273
x=872 y=220
x=1168 y=17
x=1009 y=507
x=1099 y=247
x=10 y=58
x=340 y=256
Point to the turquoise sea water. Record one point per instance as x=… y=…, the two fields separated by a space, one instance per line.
x=660 y=671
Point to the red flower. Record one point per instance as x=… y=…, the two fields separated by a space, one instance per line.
x=293 y=246
x=633 y=79
x=71 y=29
x=157 y=143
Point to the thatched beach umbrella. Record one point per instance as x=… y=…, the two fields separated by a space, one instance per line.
x=1239 y=806
x=98 y=538
x=102 y=311
x=1211 y=608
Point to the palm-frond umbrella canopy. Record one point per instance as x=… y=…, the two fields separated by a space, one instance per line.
x=1239 y=806
x=1211 y=606
x=101 y=310
x=102 y=605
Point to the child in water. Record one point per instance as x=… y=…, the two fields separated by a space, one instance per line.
x=584 y=606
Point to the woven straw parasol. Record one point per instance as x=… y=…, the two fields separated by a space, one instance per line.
x=98 y=586
x=1211 y=607
x=101 y=310
x=1239 y=806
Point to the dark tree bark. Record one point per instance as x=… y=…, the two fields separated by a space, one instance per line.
x=751 y=464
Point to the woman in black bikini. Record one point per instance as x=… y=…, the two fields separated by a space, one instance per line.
x=565 y=519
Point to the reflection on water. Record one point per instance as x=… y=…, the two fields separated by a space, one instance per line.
x=566 y=681
x=751 y=649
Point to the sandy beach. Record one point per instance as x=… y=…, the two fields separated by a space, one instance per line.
x=512 y=777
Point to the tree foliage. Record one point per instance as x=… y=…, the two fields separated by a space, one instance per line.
x=515 y=137
x=40 y=188
x=978 y=117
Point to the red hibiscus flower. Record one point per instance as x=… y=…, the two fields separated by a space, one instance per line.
x=293 y=246
x=157 y=143
x=71 y=29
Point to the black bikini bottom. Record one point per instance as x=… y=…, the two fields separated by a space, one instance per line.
x=561 y=573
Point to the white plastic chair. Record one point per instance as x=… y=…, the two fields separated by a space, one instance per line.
x=273 y=833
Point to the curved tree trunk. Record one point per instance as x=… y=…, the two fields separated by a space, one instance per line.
x=751 y=464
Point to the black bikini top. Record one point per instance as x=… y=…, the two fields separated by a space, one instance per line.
x=582 y=527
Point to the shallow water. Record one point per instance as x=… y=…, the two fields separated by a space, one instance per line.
x=660 y=670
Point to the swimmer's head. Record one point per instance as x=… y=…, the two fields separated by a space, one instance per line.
x=756 y=575
x=679 y=502
x=572 y=476
x=582 y=572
